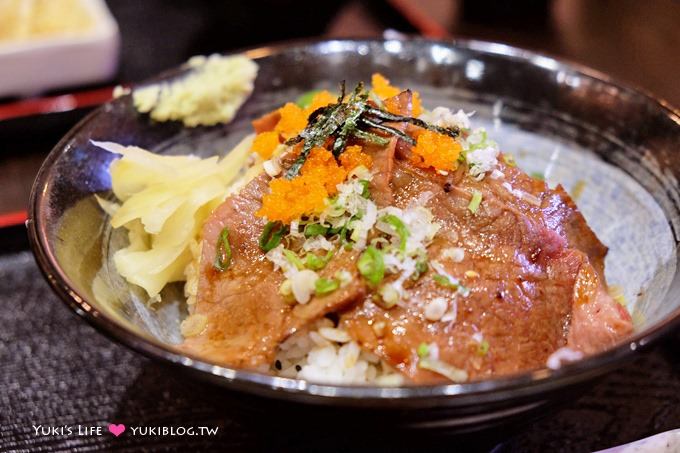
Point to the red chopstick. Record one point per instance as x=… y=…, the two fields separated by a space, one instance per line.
x=52 y=104
x=427 y=26
x=10 y=219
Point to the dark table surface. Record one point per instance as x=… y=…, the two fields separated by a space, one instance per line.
x=56 y=371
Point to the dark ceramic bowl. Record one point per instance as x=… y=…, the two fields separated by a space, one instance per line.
x=619 y=146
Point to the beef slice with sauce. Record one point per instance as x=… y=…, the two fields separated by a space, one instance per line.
x=384 y=156
x=247 y=317
x=527 y=265
x=538 y=285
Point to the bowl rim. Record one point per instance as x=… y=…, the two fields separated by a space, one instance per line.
x=521 y=384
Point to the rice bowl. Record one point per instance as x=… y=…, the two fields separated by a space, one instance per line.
x=149 y=331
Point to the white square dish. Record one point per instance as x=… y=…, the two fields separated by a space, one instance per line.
x=33 y=65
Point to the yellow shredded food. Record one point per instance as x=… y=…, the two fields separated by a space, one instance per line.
x=304 y=194
x=435 y=150
x=163 y=202
x=265 y=143
x=381 y=87
x=353 y=157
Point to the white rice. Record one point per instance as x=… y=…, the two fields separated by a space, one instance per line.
x=316 y=355
x=322 y=353
x=191 y=273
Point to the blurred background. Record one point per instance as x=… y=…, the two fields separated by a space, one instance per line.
x=61 y=58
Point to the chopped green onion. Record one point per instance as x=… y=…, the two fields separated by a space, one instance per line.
x=421 y=268
x=343 y=231
x=305 y=99
x=325 y=285
x=344 y=277
x=366 y=192
x=483 y=348
x=423 y=350
x=271 y=235
x=223 y=254
x=390 y=295
x=332 y=231
x=537 y=175
x=315 y=229
x=396 y=223
x=371 y=265
x=315 y=262
x=286 y=288
x=293 y=259
x=475 y=201
x=482 y=143
x=509 y=160
x=445 y=281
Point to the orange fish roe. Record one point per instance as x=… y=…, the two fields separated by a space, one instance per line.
x=304 y=194
x=352 y=157
x=290 y=199
x=381 y=87
x=293 y=120
x=265 y=143
x=435 y=150
x=321 y=99
x=322 y=166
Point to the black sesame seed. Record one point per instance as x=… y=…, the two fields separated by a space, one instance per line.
x=277 y=365
x=447 y=187
x=298 y=367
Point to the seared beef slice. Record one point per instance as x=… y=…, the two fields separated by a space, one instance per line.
x=533 y=268
x=247 y=316
x=526 y=280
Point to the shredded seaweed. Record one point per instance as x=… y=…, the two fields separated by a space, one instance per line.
x=357 y=117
